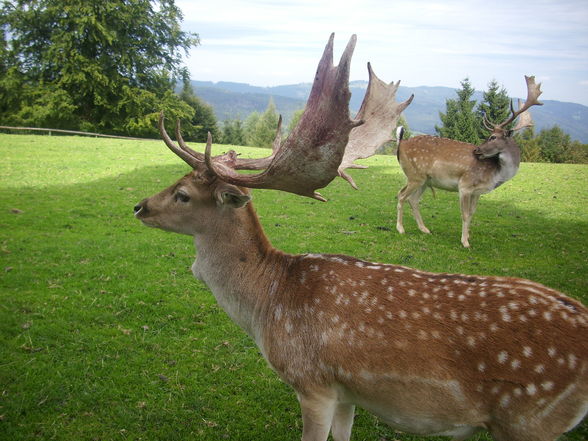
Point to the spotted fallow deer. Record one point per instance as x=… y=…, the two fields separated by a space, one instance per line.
x=446 y=354
x=429 y=161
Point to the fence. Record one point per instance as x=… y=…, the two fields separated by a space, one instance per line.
x=70 y=132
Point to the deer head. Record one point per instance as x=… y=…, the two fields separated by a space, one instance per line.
x=500 y=138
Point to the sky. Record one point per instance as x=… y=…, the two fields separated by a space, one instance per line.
x=420 y=42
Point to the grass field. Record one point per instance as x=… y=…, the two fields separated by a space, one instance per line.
x=105 y=335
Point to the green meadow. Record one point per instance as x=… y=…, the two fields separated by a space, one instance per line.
x=105 y=334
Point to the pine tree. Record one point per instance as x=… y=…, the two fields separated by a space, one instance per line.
x=261 y=129
x=233 y=132
x=495 y=106
x=460 y=122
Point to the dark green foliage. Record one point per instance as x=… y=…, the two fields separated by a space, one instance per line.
x=459 y=121
x=260 y=129
x=107 y=66
x=233 y=132
x=557 y=146
x=495 y=106
x=551 y=145
x=203 y=120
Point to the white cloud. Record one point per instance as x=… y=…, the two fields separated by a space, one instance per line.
x=266 y=42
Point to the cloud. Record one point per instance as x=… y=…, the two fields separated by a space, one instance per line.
x=423 y=42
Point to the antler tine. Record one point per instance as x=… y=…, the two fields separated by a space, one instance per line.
x=525 y=119
x=487 y=124
x=380 y=112
x=310 y=156
x=262 y=163
x=186 y=155
x=533 y=92
x=198 y=156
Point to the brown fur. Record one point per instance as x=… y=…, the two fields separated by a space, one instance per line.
x=428 y=161
x=428 y=353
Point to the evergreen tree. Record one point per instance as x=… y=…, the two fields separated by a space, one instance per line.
x=107 y=65
x=460 y=122
x=233 y=132
x=250 y=126
x=529 y=145
x=261 y=129
x=203 y=119
x=495 y=106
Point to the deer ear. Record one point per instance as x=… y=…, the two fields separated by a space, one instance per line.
x=231 y=196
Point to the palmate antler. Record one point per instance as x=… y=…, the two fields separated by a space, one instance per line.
x=523 y=114
x=380 y=112
x=315 y=152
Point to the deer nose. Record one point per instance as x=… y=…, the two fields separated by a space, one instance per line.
x=141 y=207
x=477 y=151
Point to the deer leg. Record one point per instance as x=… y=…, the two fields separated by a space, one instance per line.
x=468 y=203
x=403 y=195
x=342 y=422
x=318 y=412
x=413 y=200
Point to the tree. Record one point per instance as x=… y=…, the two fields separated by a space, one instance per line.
x=233 y=132
x=203 y=119
x=554 y=144
x=460 y=122
x=111 y=63
x=261 y=129
x=530 y=149
x=495 y=106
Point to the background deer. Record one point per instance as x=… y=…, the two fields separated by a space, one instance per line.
x=429 y=161
x=446 y=354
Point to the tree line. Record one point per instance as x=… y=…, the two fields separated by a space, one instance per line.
x=462 y=120
x=112 y=66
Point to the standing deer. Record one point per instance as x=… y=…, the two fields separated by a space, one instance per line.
x=445 y=354
x=429 y=161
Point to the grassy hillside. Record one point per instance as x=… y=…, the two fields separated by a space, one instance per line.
x=106 y=335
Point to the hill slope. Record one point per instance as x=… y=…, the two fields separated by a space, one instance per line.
x=237 y=100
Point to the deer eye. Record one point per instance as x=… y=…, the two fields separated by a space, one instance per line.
x=181 y=196
x=492 y=138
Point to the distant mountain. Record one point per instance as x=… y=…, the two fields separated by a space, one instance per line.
x=237 y=100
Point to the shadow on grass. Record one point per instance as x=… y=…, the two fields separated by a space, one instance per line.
x=108 y=335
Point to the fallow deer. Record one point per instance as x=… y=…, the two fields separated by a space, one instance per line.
x=446 y=354
x=429 y=161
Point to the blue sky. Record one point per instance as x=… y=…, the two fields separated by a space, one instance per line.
x=432 y=43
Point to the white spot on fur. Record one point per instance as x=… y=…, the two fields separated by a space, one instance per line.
x=539 y=369
x=531 y=389
x=527 y=351
x=505 y=400
x=547 y=385
x=502 y=357
x=572 y=359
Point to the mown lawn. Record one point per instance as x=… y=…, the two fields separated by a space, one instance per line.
x=105 y=335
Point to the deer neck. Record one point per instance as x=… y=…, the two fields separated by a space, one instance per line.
x=239 y=265
x=508 y=165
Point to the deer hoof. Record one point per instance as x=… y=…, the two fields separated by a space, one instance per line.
x=425 y=230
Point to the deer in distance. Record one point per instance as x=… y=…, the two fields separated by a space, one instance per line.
x=429 y=161
x=428 y=353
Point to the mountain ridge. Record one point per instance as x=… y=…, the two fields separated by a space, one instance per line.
x=231 y=100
